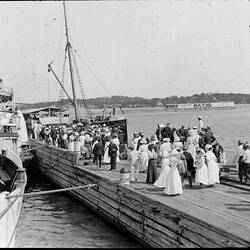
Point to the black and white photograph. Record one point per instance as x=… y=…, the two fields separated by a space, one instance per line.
x=125 y=124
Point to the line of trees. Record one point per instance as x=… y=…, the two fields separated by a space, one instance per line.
x=126 y=101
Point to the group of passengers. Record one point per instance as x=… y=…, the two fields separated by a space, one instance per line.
x=94 y=141
x=183 y=153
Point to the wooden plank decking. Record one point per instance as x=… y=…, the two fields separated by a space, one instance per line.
x=211 y=217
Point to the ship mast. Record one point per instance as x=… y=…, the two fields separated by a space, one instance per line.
x=69 y=48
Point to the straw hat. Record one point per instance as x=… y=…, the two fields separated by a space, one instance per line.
x=166 y=139
x=200 y=151
x=208 y=146
x=174 y=152
x=115 y=135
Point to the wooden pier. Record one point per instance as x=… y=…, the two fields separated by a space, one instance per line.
x=211 y=217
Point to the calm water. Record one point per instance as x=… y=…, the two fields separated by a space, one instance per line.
x=57 y=220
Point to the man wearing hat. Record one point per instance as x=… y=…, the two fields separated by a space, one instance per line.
x=112 y=152
x=190 y=166
x=246 y=162
x=200 y=123
x=238 y=159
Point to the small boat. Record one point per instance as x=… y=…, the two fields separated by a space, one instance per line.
x=13 y=176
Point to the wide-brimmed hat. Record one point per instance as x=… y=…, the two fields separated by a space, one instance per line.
x=177 y=138
x=241 y=142
x=200 y=116
x=174 y=152
x=200 y=150
x=151 y=144
x=191 y=132
x=208 y=146
x=166 y=139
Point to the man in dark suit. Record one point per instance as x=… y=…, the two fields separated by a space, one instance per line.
x=113 y=148
x=98 y=152
x=190 y=166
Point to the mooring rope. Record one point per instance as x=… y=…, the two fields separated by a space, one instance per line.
x=50 y=191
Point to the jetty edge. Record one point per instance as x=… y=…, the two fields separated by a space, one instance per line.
x=197 y=218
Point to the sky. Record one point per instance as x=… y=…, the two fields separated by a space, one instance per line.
x=150 y=49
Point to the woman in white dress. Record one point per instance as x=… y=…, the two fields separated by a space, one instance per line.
x=161 y=182
x=117 y=142
x=213 y=168
x=173 y=182
x=177 y=143
x=71 y=139
x=192 y=144
x=201 y=175
x=106 y=157
x=143 y=155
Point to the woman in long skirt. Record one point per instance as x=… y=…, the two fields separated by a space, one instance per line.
x=213 y=168
x=161 y=182
x=174 y=184
x=143 y=154
x=106 y=157
x=117 y=142
x=201 y=175
x=152 y=164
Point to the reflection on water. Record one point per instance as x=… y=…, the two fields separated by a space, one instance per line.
x=56 y=220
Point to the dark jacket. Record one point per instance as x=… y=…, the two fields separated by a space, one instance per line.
x=113 y=148
x=98 y=149
x=189 y=160
x=53 y=133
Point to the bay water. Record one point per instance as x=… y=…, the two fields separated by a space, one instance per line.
x=57 y=220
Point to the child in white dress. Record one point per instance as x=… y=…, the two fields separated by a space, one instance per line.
x=201 y=175
x=133 y=157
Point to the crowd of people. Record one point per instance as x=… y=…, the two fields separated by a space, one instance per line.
x=99 y=142
x=192 y=153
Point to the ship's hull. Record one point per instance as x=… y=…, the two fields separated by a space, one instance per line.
x=10 y=209
x=10 y=203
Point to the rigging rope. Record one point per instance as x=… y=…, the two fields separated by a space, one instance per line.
x=93 y=73
x=60 y=46
x=61 y=92
x=83 y=93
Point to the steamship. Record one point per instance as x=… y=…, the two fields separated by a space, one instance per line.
x=200 y=106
